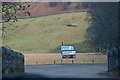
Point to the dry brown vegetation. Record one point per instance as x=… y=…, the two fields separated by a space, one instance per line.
x=50 y=58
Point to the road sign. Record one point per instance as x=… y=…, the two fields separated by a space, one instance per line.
x=68 y=56
x=68 y=52
x=67 y=48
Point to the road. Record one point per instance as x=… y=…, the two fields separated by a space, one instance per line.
x=63 y=71
x=69 y=70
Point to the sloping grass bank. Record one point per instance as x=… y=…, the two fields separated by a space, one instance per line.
x=45 y=34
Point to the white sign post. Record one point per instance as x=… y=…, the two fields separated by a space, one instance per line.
x=68 y=52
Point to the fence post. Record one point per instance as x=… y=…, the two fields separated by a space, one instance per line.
x=61 y=61
x=72 y=61
x=54 y=62
x=93 y=61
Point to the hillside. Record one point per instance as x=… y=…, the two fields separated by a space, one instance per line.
x=45 y=34
x=44 y=8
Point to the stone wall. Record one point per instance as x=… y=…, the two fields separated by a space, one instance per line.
x=114 y=62
x=12 y=61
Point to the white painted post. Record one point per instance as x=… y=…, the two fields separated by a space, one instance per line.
x=61 y=61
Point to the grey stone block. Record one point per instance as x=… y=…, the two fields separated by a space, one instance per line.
x=12 y=61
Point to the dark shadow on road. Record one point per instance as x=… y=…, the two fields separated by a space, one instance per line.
x=28 y=76
x=25 y=75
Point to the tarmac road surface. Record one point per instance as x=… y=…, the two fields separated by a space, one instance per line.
x=63 y=71
x=69 y=70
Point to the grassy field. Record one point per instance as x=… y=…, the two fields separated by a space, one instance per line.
x=45 y=34
x=49 y=58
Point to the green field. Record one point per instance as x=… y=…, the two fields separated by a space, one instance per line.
x=45 y=34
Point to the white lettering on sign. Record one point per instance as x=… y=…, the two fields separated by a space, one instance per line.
x=67 y=48
x=68 y=52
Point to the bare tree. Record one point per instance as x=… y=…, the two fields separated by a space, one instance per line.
x=9 y=10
